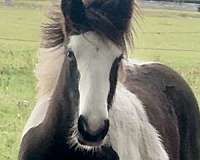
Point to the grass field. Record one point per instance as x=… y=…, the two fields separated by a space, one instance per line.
x=170 y=37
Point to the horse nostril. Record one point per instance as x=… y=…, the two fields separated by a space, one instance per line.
x=82 y=125
x=88 y=134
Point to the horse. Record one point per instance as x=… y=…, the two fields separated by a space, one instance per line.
x=94 y=103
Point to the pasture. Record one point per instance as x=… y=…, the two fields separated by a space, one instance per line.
x=169 y=37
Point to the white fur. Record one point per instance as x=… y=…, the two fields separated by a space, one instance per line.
x=140 y=62
x=95 y=57
x=131 y=134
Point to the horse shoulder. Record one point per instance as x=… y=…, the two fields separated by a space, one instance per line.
x=168 y=100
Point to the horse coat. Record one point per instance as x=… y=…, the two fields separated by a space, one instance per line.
x=96 y=104
x=148 y=106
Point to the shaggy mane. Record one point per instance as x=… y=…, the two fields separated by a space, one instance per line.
x=110 y=19
x=53 y=32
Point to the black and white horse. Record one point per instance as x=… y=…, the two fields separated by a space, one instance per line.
x=95 y=104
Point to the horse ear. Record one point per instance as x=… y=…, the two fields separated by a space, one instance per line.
x=75 y=11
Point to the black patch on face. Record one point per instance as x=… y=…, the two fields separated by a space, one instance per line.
x=113 y=80
x=72 y=79
x=74 y=73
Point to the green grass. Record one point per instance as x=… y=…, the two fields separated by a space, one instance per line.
x=18 y=58
x=17 y=82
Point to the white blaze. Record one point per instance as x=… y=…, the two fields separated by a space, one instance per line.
x=95 y=57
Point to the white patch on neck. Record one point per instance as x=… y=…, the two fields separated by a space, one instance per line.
x=95 y=57
x=131 y=134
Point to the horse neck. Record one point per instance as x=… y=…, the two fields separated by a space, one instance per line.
x=60 y=114
x=128 y=119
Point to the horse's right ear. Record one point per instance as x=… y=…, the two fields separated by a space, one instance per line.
x=75 y=11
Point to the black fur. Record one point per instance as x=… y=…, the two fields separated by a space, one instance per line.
x=113 y=80
x=171 y=108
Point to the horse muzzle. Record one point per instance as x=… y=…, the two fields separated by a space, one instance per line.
x=90 y=137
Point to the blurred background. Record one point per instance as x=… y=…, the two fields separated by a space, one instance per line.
x=165 y=31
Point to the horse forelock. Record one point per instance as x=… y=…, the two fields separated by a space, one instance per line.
x=110 y=19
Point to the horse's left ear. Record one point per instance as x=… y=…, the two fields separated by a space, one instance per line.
x=75 y=11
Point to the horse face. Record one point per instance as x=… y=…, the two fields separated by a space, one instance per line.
x=97 y=62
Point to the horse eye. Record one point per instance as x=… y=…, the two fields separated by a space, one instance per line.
x=70 y=54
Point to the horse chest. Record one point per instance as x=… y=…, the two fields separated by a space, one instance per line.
x=131 y=134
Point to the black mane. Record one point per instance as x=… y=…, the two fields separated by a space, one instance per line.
x=108 y=18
